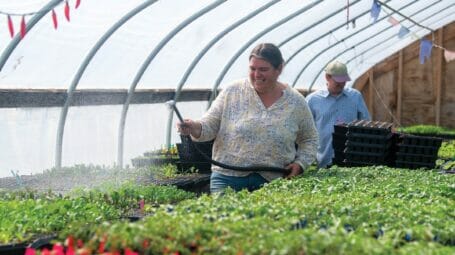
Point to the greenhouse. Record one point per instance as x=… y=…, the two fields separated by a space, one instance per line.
x=94 y=158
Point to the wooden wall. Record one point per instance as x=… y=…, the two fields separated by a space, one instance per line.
x=403 y=91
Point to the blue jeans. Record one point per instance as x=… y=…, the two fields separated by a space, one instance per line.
x=219 y=182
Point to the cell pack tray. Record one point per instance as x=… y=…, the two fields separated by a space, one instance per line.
x=369 y=138
x=418 y=158
x=369 y=147
x=379 y=158
x=340 y=129
x=370 y=127
x=406 y=139
x=417 y=149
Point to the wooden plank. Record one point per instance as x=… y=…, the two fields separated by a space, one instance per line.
x=400 y=87
x=361 y=82
x=437 y=74
x=371 y=94
x=13 y=98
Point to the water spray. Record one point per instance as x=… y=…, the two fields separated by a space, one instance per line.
x=256 y=168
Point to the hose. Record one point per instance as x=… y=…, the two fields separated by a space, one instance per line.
x=254 y=168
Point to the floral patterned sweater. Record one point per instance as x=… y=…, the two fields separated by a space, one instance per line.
x=247 y=133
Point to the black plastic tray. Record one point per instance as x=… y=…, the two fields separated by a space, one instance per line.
x=413 y=165
x=369 y=138
x=419 y=158
x=370 y=127
x=340 y=129
x=406 y=139
x=417 y=149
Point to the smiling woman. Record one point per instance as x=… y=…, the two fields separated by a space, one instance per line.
x=251 y=113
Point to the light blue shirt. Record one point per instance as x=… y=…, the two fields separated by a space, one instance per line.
x=329 y=110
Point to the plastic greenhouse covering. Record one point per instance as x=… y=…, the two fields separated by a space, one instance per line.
x=171 y=44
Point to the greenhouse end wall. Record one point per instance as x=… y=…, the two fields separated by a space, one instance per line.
x=401 y=90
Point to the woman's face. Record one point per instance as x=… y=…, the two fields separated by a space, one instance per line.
x=263 y=75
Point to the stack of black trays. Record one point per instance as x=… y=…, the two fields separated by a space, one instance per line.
x=369 y=143
x=190 y=157
x=417 y=151
x=339 y=143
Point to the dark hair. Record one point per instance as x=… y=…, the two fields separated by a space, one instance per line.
x=268 y=52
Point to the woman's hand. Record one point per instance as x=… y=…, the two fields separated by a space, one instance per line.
x=189 y=127
x=295 y=170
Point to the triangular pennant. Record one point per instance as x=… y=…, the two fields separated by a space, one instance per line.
x=23 y=27
x=78 y=2
x=403 y=31
x=54 y=19
x=375 y=10
x=425 y=50
x=393 y=21
x=10 y=26
x=449 y=55
x=67 y=11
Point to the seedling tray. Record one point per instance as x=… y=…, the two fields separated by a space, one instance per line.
x=369 y=138
x=368 y=147
x=420 y=158
x=419 y=140
x=416 y=149
x=341 y=129
x=348 y=162
x=370 y=127
x=368 y=157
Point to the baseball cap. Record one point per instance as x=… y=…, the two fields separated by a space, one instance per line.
x=338 y=71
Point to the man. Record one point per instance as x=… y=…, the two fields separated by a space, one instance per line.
x=334 y=105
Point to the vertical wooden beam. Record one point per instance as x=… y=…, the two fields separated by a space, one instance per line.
x=400 y=87
x=437 y=74
x=371 y=93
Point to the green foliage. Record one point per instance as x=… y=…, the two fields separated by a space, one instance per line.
x=447 y=150
x=27 y=214
x=369 y=210
x=427 y=129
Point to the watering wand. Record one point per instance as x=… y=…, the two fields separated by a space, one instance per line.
x=256 y=168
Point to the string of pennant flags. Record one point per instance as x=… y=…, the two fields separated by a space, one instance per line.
x=23 y=26
x=425 y=45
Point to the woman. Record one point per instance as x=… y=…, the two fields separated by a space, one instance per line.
x=257 y=120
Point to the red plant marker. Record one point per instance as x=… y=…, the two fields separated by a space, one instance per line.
x=130 y=252
x=23 y=27
x=54 y=19
x=78 y=2
x=67 y=11
x=80 y=243
x=70 y=244
x=29 y=251
x=57 y=249
x=10 y=26
x=45 y=251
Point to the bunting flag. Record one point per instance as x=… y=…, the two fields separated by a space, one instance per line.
x=403 y=32
x=67 y=11
x=425 y=50
x=449 y=55
x=23 y=27
x=375 y=10
x=54 y=19
x=21 y=30
x=393 y=21
x=10 y=26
